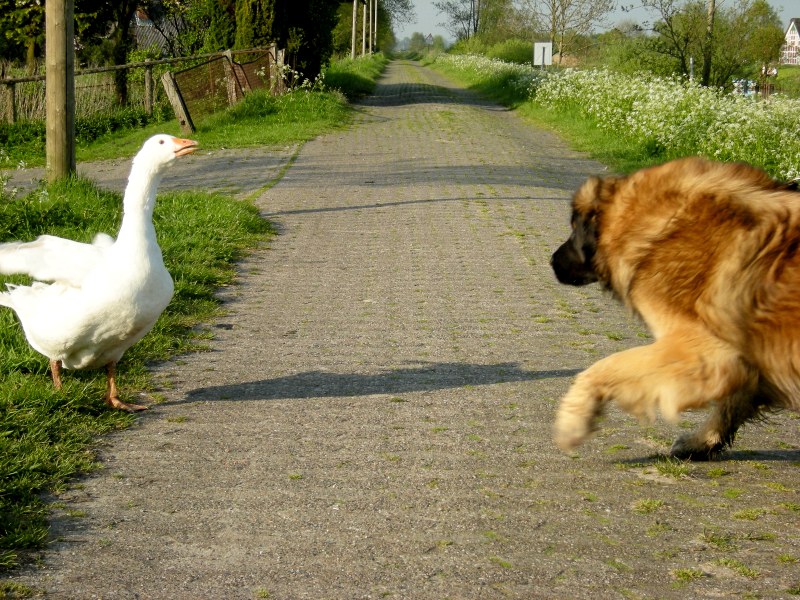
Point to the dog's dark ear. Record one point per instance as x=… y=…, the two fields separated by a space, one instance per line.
x=584 y=234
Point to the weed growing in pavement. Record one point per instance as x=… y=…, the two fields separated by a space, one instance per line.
x=720 y=541
x=646 y=506
x=672 y=467
x=739 y=567
x=687 y=575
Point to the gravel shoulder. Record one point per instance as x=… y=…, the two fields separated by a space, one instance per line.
x=373 y=417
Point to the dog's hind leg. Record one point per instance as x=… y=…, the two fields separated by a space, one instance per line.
x=718 y=431
x=674 y=374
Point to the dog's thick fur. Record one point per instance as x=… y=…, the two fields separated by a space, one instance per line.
x=708 y=254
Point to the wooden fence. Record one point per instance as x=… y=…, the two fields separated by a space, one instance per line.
x=23 y=98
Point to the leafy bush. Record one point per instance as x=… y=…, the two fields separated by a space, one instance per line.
x=513 y=50
x=471 y=45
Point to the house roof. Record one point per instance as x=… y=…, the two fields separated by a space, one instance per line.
x=793 y=22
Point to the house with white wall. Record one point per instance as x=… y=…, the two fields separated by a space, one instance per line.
x=790 y=51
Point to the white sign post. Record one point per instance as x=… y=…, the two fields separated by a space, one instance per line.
x=542 y=54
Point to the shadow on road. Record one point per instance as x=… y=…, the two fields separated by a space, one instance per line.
x=426 y=377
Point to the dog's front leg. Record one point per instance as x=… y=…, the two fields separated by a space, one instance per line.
x=673 y=374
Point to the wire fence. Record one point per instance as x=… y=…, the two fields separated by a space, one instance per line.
x=211 y=82
x=222 y=81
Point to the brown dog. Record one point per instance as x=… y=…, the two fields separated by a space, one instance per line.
x=708 y=254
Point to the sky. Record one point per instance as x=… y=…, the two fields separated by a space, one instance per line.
x=428 y=18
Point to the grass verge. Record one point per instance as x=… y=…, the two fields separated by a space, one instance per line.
x=355 y=77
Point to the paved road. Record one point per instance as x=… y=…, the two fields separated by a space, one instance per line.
x=373 y=418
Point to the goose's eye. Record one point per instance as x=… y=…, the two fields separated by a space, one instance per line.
x=161 y=142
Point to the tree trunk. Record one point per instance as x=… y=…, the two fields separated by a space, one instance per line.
x=122 y=44
x=30 y=56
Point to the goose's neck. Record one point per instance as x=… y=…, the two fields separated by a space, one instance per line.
x=138 y=205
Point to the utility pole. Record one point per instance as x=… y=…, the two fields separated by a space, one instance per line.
x=369 y=18
x=60 y=86
x=708 y=50
x=375 y=21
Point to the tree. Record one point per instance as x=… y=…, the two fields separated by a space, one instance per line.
x=418 y=42
x=565 y=22
x=22 y=25
x=305 y=29
x=255 y=23
x=121 y=13
x=745 y=36
x=463 y=16
x=221 y=32
x=399 y=11
x=679 y=32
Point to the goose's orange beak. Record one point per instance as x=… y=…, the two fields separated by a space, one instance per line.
x=183 y=146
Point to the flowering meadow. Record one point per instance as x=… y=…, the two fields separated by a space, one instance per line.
x=669 y=117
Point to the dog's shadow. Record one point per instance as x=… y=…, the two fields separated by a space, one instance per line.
x=418 y=378
x=728 y=456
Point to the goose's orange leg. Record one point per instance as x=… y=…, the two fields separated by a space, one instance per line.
x=55 y=373
x=112 y=396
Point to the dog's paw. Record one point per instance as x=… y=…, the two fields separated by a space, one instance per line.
x=692 y=446
x=570 y=430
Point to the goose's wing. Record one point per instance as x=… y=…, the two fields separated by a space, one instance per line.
x=50 y=258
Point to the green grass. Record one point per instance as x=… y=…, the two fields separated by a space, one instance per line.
x=788 y=80
x=646 y=506
x=258 y=120
x=497 y=87
x=47 y=437
x=739 y=567
x=355 y=77
x=687 y=575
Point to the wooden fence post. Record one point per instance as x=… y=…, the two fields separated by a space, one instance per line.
x=148 y=90
x=60 y=86
x=178 y=105
x=276 y=76
x=230 y=78
x=7 y=101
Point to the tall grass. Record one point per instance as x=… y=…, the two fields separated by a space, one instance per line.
x=505 y=82
x=355 y=77
x=46 y=437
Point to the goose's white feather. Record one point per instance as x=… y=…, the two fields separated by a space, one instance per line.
x=104 y=296
x=50 y=258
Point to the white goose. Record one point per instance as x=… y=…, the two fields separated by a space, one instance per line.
x=104 y=296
